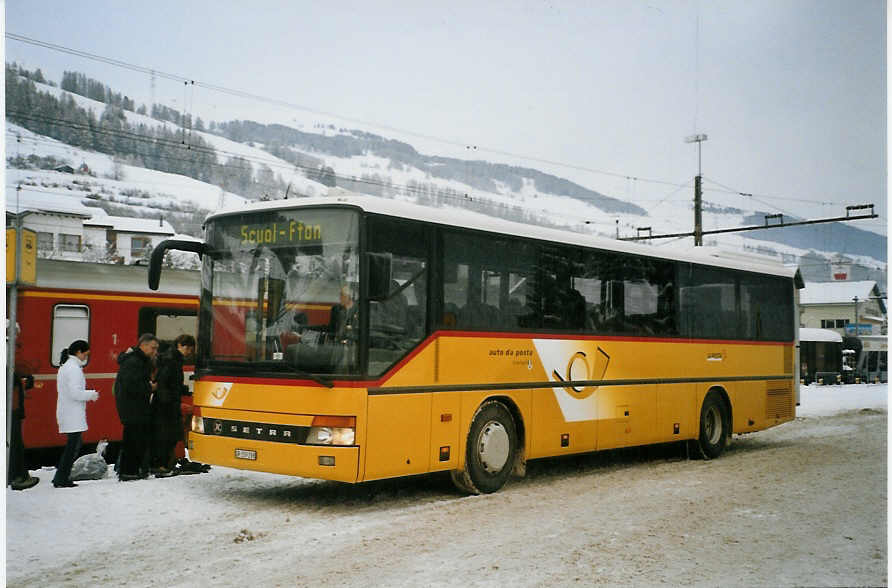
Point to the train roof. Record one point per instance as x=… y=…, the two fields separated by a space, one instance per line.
x=454 y=217
x=106 y=277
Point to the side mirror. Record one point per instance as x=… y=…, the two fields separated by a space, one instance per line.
x=158 y=256
x=380 y=272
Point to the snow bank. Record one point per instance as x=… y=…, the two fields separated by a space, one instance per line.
x=816 y=400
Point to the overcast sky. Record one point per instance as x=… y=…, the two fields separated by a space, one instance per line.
x=792 y=94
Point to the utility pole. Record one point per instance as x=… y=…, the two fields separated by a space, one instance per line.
x=698 y=212
x=11 y=331
x=856 y=315
x=698 y=194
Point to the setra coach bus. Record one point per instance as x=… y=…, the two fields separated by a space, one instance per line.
x=107 y=305
x=356 y=338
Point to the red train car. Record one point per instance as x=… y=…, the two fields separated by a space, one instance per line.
x=107 y=305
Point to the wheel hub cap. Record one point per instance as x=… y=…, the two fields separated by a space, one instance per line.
x=713 y=425
x=493 y=447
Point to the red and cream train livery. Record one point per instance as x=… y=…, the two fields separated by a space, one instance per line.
x=107 y=305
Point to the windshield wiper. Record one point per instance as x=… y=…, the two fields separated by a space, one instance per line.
x=241 y=367
x=318 y=379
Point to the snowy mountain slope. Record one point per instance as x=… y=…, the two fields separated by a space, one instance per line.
x=224 y=146
x=162 y=190
x=369 y=171
x=152 y=193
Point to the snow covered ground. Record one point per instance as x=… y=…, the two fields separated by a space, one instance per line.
x=139 y=530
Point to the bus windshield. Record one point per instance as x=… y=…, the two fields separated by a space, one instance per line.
x=282 y=291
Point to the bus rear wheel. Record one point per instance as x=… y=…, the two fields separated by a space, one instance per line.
x=491 y=449
x=715 y=427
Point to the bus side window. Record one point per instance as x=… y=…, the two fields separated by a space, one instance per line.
x=398 y=321
x=70 y=323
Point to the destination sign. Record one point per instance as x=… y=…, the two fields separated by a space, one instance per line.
x=276 y=233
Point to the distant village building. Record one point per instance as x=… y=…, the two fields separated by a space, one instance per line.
x=849 y=308
x=58 y=222
x=127 y=239
x=66 y=229
x=64 y=168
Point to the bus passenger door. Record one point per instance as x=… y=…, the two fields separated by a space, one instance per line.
x=397 y=435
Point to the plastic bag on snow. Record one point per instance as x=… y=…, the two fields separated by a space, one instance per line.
x=92 y=466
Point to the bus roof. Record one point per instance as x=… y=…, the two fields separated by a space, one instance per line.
x=826 y=335
x=456 y=217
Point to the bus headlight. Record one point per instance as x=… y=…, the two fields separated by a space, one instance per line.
x=332 y=430
x=331 y=436
x=197 y=424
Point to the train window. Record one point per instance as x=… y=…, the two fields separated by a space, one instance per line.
x=168 y=323
x=70 y=323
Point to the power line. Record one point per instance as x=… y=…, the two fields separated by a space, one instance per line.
x=780 y=225
x=344 y=178
x=727 y=190
x=282 y=103
x=277 y=102
x=290 y=105
x=405 y=189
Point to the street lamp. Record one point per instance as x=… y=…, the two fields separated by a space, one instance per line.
x=698 y=139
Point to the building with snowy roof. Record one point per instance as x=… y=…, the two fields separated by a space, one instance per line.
x=127 y=239
x=68 y=229
x=58 y=220
x=849 y=308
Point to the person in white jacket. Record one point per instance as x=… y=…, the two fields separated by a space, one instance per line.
x=71 y=407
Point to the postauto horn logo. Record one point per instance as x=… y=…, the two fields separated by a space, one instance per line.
x=564 y=361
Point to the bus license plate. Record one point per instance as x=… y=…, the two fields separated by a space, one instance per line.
x=246 y=454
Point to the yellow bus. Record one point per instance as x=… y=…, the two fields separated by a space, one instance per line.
x=358 y=338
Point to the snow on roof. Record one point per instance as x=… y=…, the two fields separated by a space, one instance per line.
x=877 y=319
x=33 y=200
x=185 y=237
x=836 y=292
x=125 y=224
x=806 y=334
x=454 y=217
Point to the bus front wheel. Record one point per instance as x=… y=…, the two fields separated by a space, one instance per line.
x=715 y=427
x=491 y=448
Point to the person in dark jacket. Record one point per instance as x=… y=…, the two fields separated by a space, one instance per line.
x=166 y=421
x=18 y=477
x=133 y=391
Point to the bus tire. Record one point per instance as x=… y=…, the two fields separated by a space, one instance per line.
x=491 y=450
x=715 y=427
